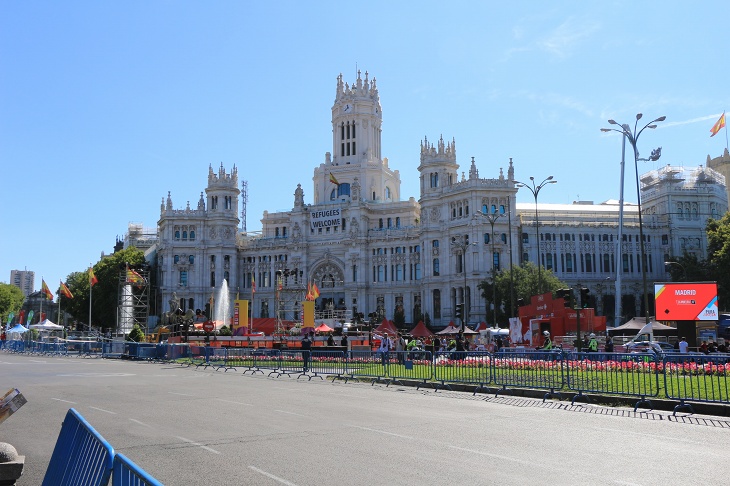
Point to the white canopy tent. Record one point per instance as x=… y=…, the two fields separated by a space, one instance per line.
x=46 y=325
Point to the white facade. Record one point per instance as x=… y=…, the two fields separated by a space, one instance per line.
x=24 y=280
x=370 y=251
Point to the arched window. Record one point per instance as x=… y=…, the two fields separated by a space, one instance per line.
x=185 y=235
x=388 y=194
x=486 y=238
x=435 y=243
x=176 y=258
x=436 y=271
x=177 y=234
x=192 y=234
x=191 y=259
x=333 y=195
x=343 y=189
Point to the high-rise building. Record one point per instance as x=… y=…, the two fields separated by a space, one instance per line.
x=24 y=280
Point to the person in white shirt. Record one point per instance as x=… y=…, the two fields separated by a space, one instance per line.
x=385 y=346
x=683 y=346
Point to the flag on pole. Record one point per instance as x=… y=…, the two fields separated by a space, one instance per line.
x=134 y=277
x=315 y=291
x=65 y=291
x=309 y=292
x=333 y=179
x=45 y=290
x=720 y=124
x=92 y=278
x=253 y=283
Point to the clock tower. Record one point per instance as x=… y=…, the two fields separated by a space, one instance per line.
x=356 y=149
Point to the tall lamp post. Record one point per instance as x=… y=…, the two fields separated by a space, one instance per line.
x=492 y=218
x=633 y=138
x=535 y=190
x=461 y=244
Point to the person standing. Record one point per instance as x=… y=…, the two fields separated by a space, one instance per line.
x=3 y=337
x=306 y=351
x=384 y=349
x=683 y=346
x=343 y=342
x=547 y=344
x=593 y=344
x=498 y=344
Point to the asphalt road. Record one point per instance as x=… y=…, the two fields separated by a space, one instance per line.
x=200 y=427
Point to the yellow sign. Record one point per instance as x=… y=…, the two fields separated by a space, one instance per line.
x=240 y=324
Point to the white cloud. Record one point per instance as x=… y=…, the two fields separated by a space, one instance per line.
x=562 y=40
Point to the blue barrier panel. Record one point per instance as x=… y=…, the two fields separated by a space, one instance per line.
x=326 y=363
x=368 y=364
x=529 y=369
x=198 y=355
x=473 y=368
x=81 y=456
x=625 y=374
x=293 y=362
x=267 y=359
x=696 y=378
x=113 y=349
x=127 y=473
x=217 y=357
x=241 y=358
x=415 y=365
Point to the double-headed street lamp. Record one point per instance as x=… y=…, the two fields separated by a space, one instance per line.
x=492 y=218
x=535 y=190
x=633 y=138
x=461 y=244
x=684 y=271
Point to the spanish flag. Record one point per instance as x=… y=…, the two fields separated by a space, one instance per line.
x=66 y=292
x=334 y=180
x=253 y=283
x=92 y=278
x=718 y=126
x=134 y=277
x=315 y=291
x=45 y=290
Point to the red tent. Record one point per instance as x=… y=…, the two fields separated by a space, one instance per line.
x=482 y=327
x=451 y=329
x=420 y=330
x=386 y=327
x=323 y=328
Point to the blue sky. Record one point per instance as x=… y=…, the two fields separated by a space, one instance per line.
x=107 y=106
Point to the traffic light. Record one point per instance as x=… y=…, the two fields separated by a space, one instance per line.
x=566 y=295
x=585 y=297
x=460 y=311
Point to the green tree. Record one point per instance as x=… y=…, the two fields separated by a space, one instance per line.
x=11 y=299
x=105 y=294
x=225 y=331
x=399 y=319
x=718 y=257
x=136 y=334
x=526 y=281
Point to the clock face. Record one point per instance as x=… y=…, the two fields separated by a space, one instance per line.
x=348 y=108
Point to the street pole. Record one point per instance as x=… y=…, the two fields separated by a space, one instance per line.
x=492 y=218
x=535 y=190
x=633 y=138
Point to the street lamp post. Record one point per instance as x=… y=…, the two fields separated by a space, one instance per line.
x=633 y=138
x=492 y=218
x=535 y=190
x=461 y=244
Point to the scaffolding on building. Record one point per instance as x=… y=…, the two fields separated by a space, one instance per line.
x=134 y=297
x=290 y=292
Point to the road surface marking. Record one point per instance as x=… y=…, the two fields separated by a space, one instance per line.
x=181 y=394
x=140 y=423
x=237 y=403
x=65 y=401
x=381 y=432
x=197 y=444
x=292 y=413
x=269 y=475
x=102 y=410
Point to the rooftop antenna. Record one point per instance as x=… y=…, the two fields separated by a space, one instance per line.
x=244 y=200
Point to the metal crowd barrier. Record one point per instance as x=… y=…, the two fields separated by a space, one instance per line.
x=81 y=456
x=530 y=369
x=325 y=363
x=696 y=378
x=473 y=368
x=367 y=364
x=127 y=473
x=626 y=374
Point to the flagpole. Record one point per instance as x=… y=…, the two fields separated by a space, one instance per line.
x=58 y=317
x=91 y=288
x=726 y=144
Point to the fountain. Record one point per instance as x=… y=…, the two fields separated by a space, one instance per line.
x=222 y=307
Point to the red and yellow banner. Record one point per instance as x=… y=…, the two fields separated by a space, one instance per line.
x=45 y=290
x=66 y=292
x=92 y=278
x=719 y=125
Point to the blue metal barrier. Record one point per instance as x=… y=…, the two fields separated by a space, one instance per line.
x=326 y=363
x=127 y=473
x=81 y=456
x=696 y=378
x=367 y=364
x=414 y=365
x=473 y=368
x=626 y=374
x=529 y=369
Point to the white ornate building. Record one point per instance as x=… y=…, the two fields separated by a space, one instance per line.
x=370 y=251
